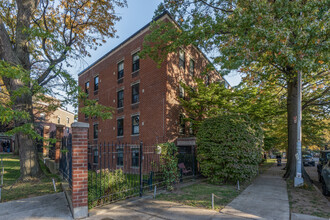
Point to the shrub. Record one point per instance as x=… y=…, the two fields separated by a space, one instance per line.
x=229 y=148
x=169 y=164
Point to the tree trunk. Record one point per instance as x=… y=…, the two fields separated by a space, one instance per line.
x=292 y=131
x=28 y=151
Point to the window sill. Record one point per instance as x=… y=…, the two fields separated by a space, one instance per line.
x=96 y=92
x=120 y=136
x=135 y=167
x=121 y=80
x=136 y=103
x=134 y=135
x=120 y=166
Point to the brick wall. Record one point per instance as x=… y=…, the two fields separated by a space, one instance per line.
x=79 y=170
x=158 y=107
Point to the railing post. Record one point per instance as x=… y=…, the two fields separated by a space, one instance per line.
x=141 y=176
x=79 y=170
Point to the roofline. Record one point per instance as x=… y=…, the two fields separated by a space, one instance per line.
x=127 y=39
x=136 y=33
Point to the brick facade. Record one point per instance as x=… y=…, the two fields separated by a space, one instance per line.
x=158 y=107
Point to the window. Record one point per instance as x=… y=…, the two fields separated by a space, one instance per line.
x=181 y=92
x=135 y=124
x=207 y=81
x=135 y=93
x=136 y=62
x=120 y=98
x=182 y=129
x=96 y=156
x=120 y=127
x=96 y=131
x=182 y=59
x=68 y=130
x=87 y=87
x=135 y=157
x=121 y=70
x=58 y=119
x=192 y=67
x=68 y=120
x=42 y=116
x=120 y=156
x=86 y=117
x=96 y=83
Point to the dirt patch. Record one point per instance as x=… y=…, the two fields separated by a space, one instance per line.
x=308 y=200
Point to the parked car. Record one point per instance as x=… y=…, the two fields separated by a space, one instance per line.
x=308 y=160
x=325 y=174
x=322 y=161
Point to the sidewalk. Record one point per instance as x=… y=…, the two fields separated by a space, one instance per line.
x=265 y=198
x=52 y=206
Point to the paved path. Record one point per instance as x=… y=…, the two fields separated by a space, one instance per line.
x=265 y=198
x=52 y=206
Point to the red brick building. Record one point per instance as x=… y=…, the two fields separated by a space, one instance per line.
x=144 y=96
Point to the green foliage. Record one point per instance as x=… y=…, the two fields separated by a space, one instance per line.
x=229 y=148
x=110 y=185
x=169 y=164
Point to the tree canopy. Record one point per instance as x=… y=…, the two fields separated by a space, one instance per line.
x=268 y=42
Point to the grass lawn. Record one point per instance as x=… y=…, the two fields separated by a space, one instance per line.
x=13 y=190
x=199 y=195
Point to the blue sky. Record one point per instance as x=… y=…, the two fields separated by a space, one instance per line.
x=135 y=16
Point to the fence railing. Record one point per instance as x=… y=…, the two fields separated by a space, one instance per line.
x=65 y=166
x=119 y=170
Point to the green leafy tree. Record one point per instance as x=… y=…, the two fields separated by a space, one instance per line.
x=37 y=39
x=269 y=42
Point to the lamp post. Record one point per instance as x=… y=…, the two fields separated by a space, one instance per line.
x=298 y=180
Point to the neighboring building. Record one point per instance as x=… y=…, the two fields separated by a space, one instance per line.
x=45 y=115
x=144 y=97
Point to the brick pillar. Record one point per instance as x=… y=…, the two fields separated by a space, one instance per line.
x=79 y=169
x=45 y=151
x=59 y=135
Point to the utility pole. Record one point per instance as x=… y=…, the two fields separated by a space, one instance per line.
x=298 y=180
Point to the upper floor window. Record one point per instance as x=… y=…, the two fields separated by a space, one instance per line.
x=136 y=62
x=207 y=81
x=135 y=124
x=181 y=92
x=42 y=116
x=96 y=131
x=87 y=87
x=120 y=98
x=182 y=129
x=135 y=93
x=58 y=119
x=120 y=127
x=68 y=120
x=121 y=70
x=182 y=60
x=96 y=83
x=192 y=67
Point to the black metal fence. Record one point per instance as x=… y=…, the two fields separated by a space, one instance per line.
x=65 y=166
x=119 y=171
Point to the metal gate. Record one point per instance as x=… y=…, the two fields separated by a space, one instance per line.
x=66 y=159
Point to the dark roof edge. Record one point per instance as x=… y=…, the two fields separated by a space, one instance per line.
x=127 y=39
x=141 y=29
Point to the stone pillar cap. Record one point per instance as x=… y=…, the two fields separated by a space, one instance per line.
x=80 y=125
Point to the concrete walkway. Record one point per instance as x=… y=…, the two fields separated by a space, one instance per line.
x=52 y=206
x=265 y=198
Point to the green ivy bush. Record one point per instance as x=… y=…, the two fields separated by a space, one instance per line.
x=229 y=148
x=169 y=164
